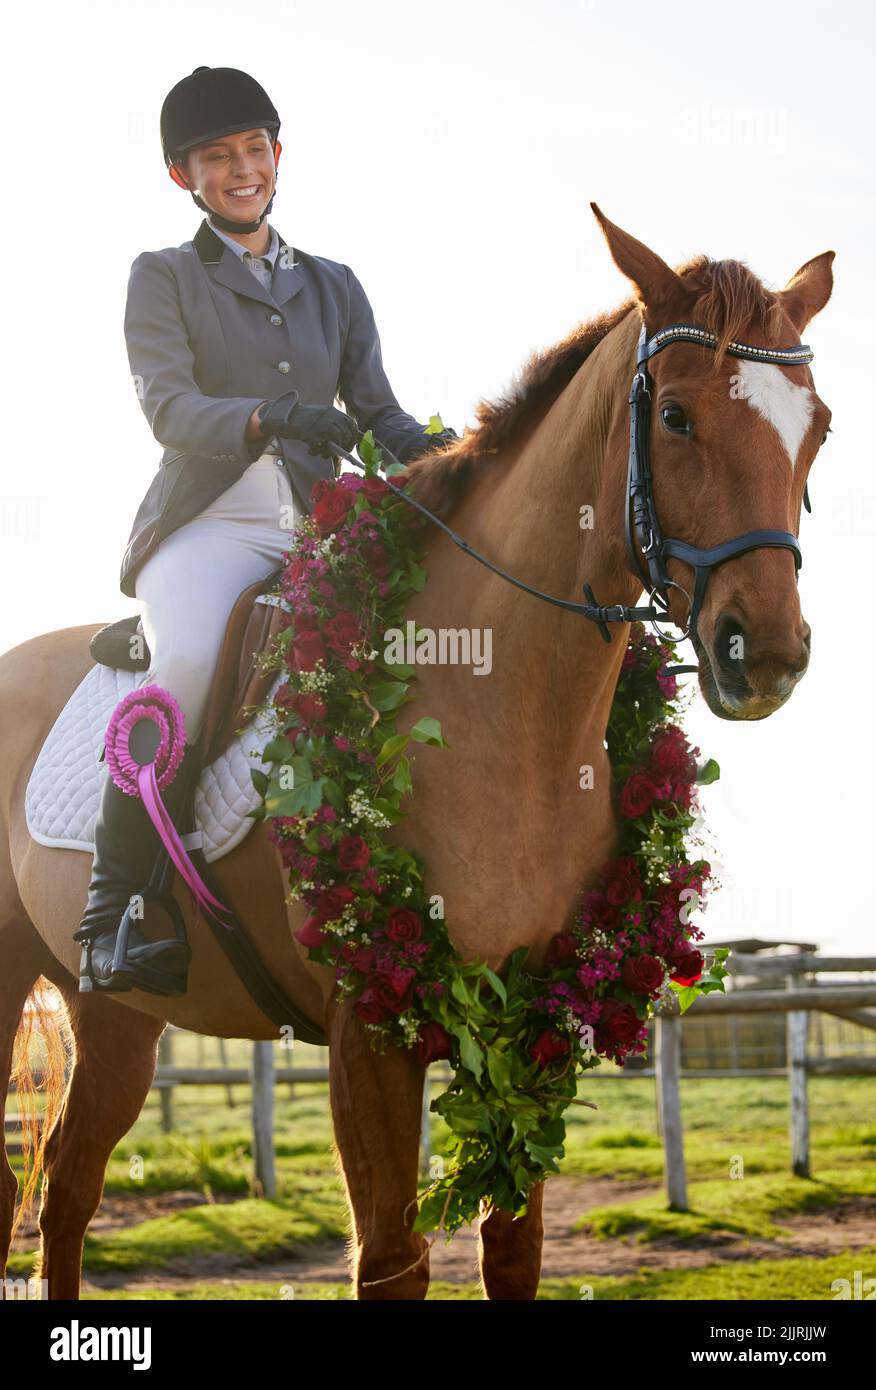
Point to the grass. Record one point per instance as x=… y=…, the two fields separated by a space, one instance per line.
x=728 y=1123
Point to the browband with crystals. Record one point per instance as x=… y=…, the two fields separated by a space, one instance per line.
x=690 y=333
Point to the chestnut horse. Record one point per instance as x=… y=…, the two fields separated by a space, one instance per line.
x=509 y=838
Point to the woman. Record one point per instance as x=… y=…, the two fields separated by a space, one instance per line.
x=218 y=330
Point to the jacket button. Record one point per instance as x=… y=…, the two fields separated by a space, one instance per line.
x=284 y=367
x=276 y=320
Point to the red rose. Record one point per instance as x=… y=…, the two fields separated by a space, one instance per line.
x=368 y=1008
x=601 y=913
x=393 y=989
x=378 y=560
x=686 y=966
x=307 y=649
x=671 y=757
x=548 y=1046
x=375 y=489
x=353 y=853
x=321 y=488
x=625 y=885
x=361 y=958
x=562 y=951
x=642 y=974
x=331 y=510
x=403 y=925
x=637 y=795
x=311 y=934
x=433 y=1044
x=618 y=1021
x=332 y=901
x=342 y=631
x=310 y=707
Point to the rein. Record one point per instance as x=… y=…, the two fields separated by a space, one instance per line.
x=640 y=521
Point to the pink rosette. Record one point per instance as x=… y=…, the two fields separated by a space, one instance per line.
x=158 y=705
x=145 y=779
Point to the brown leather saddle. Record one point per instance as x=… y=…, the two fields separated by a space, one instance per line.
x=238 y=688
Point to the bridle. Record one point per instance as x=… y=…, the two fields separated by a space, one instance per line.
x=641 y=523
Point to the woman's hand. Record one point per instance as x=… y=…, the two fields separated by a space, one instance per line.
x=318 y=426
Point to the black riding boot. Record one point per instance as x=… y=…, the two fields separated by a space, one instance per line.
x=116 y=955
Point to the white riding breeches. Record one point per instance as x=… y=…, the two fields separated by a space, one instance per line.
x=189 y=585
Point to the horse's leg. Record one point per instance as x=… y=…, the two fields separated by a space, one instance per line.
x=509 y=1251
x=116 y=1049
x=23 y=957
x=376 y=1105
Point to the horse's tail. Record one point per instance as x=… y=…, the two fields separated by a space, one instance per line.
x=44 y=1014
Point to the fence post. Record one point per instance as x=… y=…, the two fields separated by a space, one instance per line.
x=165 y=1094
x=263 y=1116
x=797 y=1034
x=667 y=1047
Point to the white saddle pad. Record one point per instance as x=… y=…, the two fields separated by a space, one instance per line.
x=63 y=792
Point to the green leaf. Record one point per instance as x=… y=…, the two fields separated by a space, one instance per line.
x=428 y=730
x=401 y=778
x=497 y=984
x=393 y=745
x=389 y=695
x=470 y=1053
x=279 y=750
x=710 y=772
x=260 y=780
x=499 y=1068
x=386 y=808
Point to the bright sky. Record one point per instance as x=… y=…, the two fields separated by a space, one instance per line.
x=449 y=154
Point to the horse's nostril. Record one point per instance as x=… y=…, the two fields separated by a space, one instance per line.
x=729 y=643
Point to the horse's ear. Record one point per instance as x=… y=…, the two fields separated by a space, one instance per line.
x=808 y=290
x=660 y=289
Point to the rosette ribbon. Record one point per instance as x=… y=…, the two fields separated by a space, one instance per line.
x=149 y=720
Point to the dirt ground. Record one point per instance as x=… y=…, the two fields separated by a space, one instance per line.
x=567 y=1254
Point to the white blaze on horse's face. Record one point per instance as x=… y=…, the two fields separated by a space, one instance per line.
x=788 y=408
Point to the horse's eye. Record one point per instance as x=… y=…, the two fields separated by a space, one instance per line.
x=675 y=419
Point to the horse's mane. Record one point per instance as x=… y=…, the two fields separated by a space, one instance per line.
x=729 y=298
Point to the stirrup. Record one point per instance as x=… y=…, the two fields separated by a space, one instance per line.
x=129 y=974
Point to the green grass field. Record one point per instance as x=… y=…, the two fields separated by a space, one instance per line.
x=741 y=1192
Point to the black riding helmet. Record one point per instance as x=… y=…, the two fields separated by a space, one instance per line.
x=207 y=104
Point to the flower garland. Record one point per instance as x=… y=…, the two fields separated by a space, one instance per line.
x=339 y=773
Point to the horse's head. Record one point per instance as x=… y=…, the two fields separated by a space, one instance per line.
x=731 y=444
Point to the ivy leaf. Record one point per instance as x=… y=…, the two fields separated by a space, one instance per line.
x=279 y=750
x=428 y=730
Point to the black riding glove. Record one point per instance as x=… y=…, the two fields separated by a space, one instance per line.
x=425 y=443
x=318 y=426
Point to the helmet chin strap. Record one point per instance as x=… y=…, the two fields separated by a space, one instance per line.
x=226 y=223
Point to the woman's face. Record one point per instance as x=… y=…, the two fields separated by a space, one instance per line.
x=234 y=174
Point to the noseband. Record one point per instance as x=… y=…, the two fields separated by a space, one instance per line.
x=641 y=514
x=643 y=533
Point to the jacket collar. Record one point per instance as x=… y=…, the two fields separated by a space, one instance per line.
x=231 y=271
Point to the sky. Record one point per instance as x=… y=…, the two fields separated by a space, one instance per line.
x=449 y=154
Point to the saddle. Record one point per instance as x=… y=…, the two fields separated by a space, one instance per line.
x=237 y=689
x=238 y=685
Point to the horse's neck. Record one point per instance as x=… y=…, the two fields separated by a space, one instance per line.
x=512 y=783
